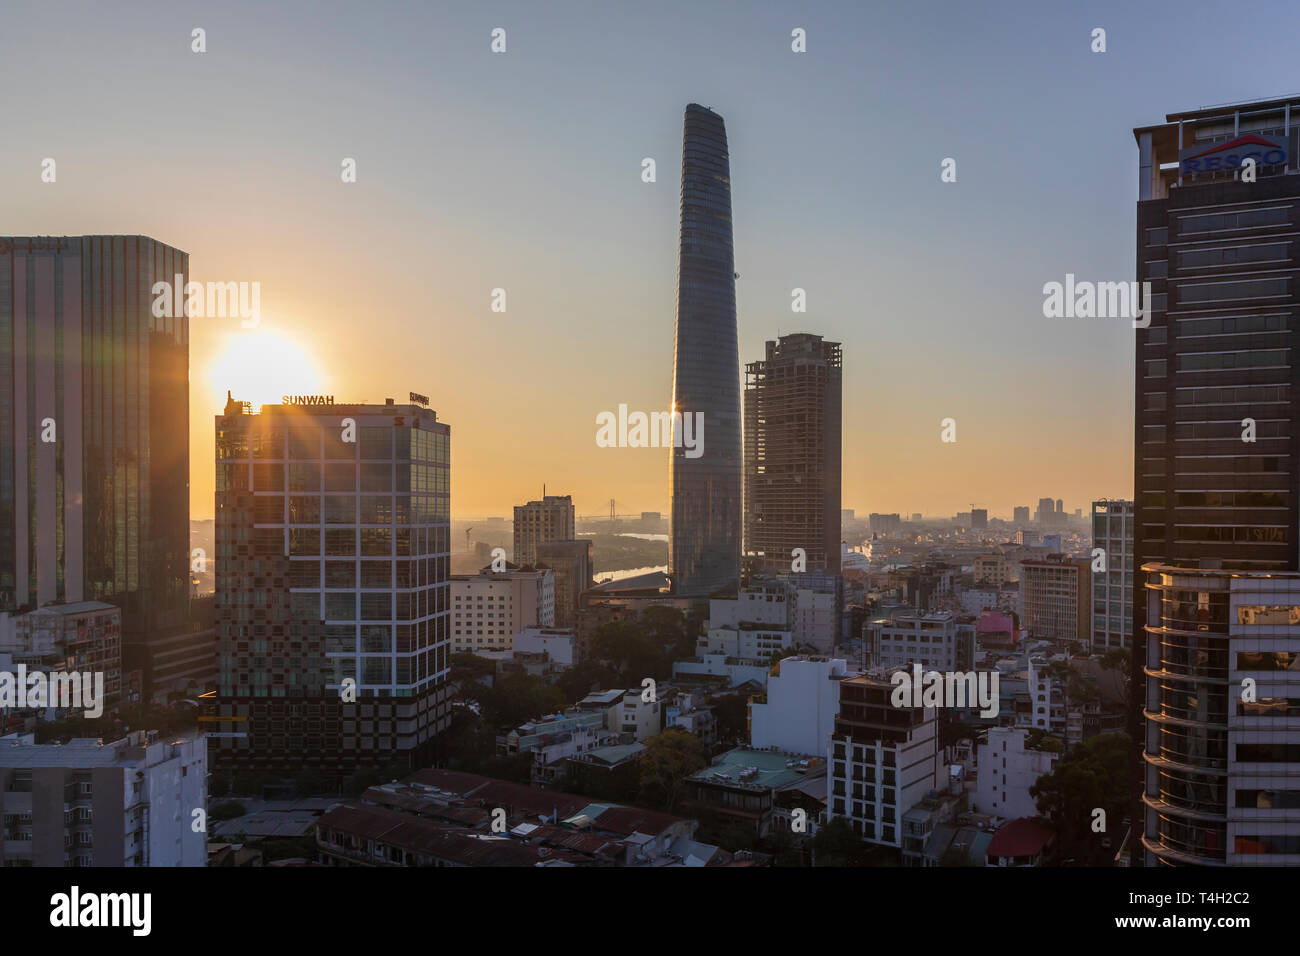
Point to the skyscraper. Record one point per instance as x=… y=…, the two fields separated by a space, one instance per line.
x=550 y=519
x=1215 y=484
x=793 y=410
x=705 y=523
x=94 y=432
x=332 y=551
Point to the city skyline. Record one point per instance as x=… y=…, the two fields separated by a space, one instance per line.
x=969 y=348
x=415 y=256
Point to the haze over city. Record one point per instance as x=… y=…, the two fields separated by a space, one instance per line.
x=525 y=174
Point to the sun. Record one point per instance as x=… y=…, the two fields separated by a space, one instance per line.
x=260 y=365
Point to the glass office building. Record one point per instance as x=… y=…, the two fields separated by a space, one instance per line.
x=94 y=430
x=332 y=582
x=705 y=523
x=1215 y=481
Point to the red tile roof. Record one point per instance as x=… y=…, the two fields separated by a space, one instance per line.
x=1024 y=837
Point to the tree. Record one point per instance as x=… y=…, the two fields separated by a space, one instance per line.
x=834 y=843
x=1121 y=660
x=1095 y=775
x=785 y=849
x=626 y=646
x=581 y=679
x=469 y=667
x=668 y=759
x=517 y=698
x=667 y=627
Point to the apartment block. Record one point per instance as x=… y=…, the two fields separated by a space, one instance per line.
x=550 y=519
x=883 y=759
x=86 y=803
x=1056 y=599
x=489 y=608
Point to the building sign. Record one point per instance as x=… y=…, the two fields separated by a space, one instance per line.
x=419 y=399
x=1264 y=150
x=307 y=399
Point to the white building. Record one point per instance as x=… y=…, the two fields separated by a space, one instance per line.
x=488 y=609
x=556 y=642
x=973 y=600
x=87 y=803
x=803 y=697
x=815 y=619
x=636 y=715
x=1006 y=771
x=752 y=627
x=933 y=640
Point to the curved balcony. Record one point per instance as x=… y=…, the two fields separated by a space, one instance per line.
x=1169 y=853
x=1172 y=809
x=1164 y=763
x=1183 y=721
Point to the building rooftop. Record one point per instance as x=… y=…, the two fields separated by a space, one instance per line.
x=603 y=696
x=21 y=751
x=1023 y=837
x=78 y=607
x=611 y=755
x=761 y=769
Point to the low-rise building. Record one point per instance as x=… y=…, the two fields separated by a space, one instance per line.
x=86 y=803
x=558 y=644
x=798 y=712
x=741 y=785
x=1022 y=842
x=931 y=640
x=451 y=818
x=84 y=637
x=1007 y=768
x=489 y=608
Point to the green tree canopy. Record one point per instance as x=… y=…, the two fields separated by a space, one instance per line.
x=668 y=759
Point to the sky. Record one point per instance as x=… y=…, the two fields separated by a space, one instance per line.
x=522 y=171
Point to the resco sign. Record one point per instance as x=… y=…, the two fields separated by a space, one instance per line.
x=1264 y=150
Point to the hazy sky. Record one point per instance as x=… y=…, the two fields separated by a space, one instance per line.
x=522 y=171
